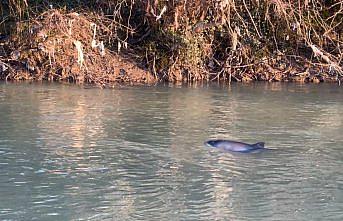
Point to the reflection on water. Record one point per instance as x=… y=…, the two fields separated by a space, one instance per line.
x=136 y=153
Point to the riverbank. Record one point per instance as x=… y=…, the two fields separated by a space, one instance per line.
x=144 y=42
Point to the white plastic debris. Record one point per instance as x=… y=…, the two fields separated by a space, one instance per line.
x=78 y=46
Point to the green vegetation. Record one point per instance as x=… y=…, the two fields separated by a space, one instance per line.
x=226 y=40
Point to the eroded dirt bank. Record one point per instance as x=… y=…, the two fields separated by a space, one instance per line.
x=65 y=47
x=105 y=42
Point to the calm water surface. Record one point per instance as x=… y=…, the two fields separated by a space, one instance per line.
x=137 y=153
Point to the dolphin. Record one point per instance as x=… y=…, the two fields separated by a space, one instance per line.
x=235 y=146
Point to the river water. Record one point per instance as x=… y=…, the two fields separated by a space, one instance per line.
x=137 y=153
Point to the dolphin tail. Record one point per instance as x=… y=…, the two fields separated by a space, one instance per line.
x=259 y=145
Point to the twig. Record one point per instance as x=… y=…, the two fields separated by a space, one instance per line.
x=252 y=20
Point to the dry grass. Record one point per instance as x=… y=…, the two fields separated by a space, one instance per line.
x=66 y=46
x=242 y=40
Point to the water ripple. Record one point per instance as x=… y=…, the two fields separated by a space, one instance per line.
x=138 y=154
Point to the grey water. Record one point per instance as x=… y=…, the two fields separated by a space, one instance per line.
x=136 y=153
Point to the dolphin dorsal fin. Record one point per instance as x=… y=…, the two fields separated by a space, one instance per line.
x=258 y=145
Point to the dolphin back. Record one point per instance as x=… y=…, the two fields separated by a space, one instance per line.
x=229 y=145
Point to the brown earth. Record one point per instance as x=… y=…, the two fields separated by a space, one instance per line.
x=72 y=47
x=65 y=47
